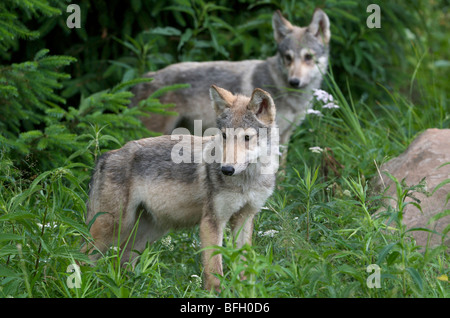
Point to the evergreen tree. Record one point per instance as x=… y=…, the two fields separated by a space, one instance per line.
x=35 y=120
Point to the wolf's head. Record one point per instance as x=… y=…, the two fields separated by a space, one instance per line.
x=247 y=128
x=303 y=51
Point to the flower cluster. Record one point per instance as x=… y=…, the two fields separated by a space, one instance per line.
x=324 y=97
x=316 y=149
x=167 y=242
x=196 y=281
x=269 y=233
x=314 y=112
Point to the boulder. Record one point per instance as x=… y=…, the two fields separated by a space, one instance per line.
x=422 y=159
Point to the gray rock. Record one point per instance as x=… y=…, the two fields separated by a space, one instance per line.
x=422 y=159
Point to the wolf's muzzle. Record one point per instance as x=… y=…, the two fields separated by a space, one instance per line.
x=294 y=82
x=228 y=170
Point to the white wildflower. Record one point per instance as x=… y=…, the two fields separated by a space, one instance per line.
x=167 y=242
x=48 y=225
x=316 y=149
x=323 y=96
x=330 y=105
x=314 y=112
x=196 y=280
x=269 y=233
x=195 y=244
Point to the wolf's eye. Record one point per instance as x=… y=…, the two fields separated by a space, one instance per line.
x=288 y=58
x=308 y=57
x=224 y=135
x=247 y=137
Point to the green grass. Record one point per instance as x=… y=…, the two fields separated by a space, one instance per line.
x=316 y=236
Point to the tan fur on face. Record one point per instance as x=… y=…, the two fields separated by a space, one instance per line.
x=236 y=103
x=240 y=104
x=298 y=32
x=227 y=96
x=239 y=107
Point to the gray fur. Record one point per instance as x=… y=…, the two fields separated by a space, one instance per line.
x=272 y=75
x=146 y=193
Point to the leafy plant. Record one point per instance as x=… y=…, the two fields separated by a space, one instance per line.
x=322 y=228
x=249 y=273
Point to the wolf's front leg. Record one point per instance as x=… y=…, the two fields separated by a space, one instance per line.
x=211 y=233
x=242 y=225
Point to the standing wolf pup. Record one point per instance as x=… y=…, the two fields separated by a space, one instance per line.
x=289 y=76
x=140 y=185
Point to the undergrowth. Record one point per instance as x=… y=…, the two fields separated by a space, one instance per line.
x=324 y=232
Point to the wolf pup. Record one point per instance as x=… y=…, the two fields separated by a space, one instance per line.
x=146 y=190
x=289 y=76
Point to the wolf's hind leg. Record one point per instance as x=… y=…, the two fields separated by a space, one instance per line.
x=145 y=231
x=102 y=232
x=111 y=228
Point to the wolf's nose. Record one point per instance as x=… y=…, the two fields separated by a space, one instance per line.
x=294 y=82
x=227 y=170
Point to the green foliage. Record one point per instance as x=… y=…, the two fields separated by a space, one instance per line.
x=250 y=274
x=63 y=133
x=161 y=33
x=37 y=221
x=28 y=92
x=36 y=119
x=14 y=13
x=323 y=226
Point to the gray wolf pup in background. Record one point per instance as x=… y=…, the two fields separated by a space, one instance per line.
x=289 y=76
x=145 y=193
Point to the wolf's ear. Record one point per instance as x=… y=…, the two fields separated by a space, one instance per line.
x=320 y=26
x=261 y=103
x=221 y=98
x=281 y=26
